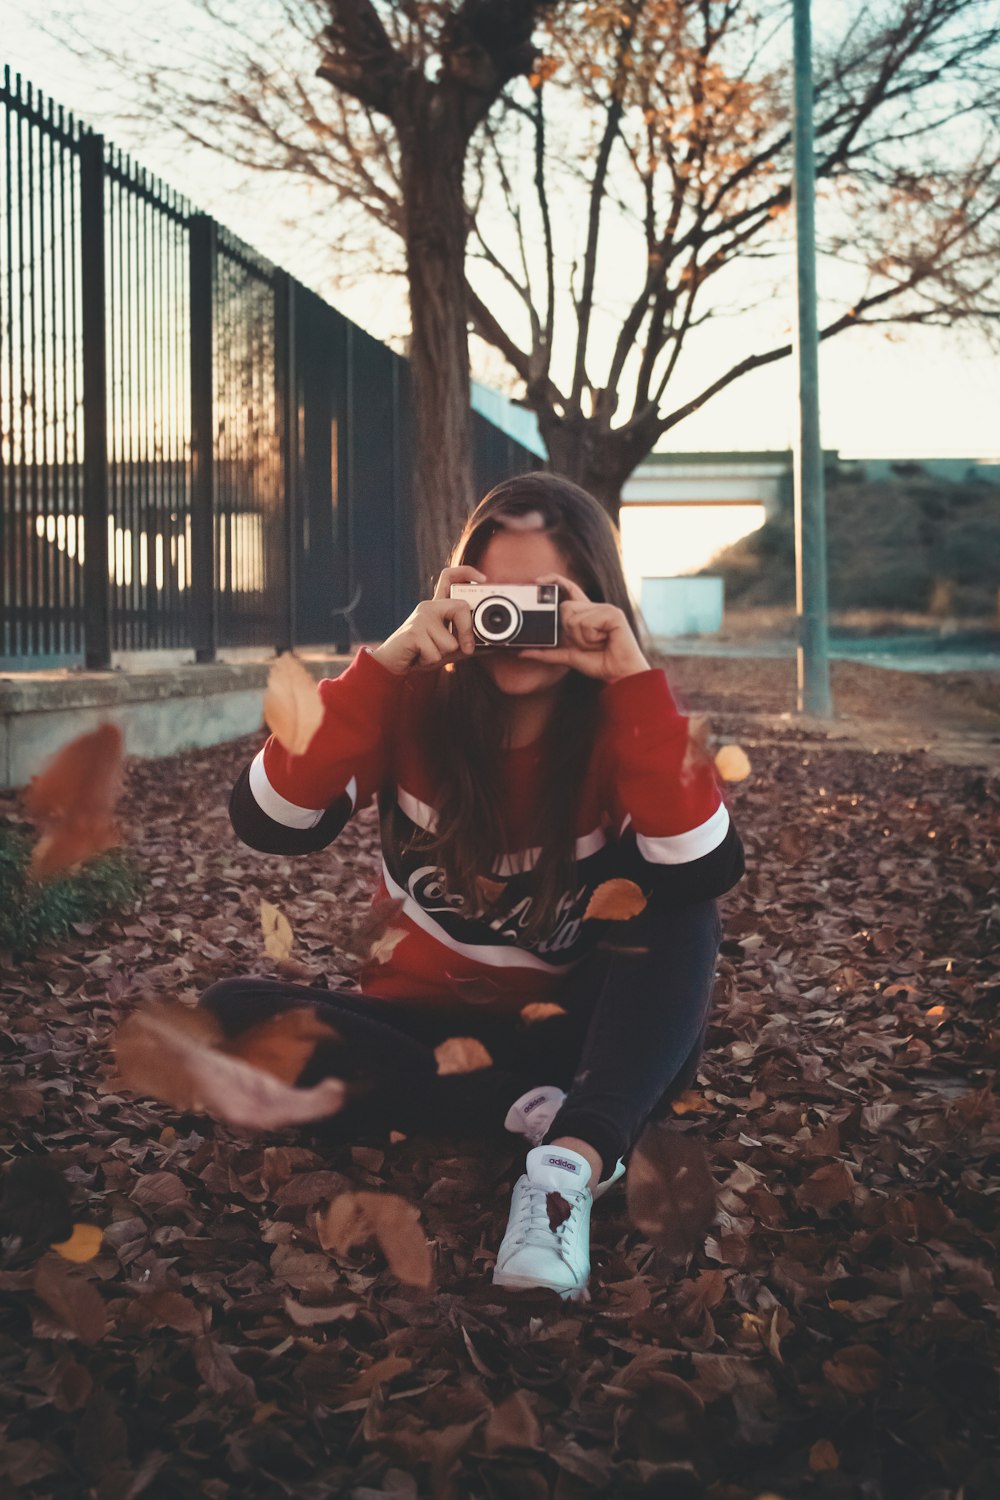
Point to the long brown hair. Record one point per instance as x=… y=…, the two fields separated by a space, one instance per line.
x=473 y=713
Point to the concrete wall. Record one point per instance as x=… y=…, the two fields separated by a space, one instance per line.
x=159 y=712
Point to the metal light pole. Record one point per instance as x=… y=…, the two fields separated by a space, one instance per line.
x=810 y=515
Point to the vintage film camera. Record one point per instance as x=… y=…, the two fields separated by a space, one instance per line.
x=512 y=614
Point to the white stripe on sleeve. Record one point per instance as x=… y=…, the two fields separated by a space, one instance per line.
x=278 y=808
x=681 y=848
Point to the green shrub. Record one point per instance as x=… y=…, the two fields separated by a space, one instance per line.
x=34 y=912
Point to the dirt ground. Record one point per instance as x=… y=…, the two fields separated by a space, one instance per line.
x=836 y=1334
x=953 y=716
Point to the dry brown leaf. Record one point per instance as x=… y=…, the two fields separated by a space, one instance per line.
x=220 y=1372
x=732 y=763
x=489 y=891
x=379 y=1373
x=825 y=1188
x=462 y=1054
x=74 y=799
x=293 y=708
x=83 y=1244
x=823 y=1457
x=354 y=1218
x=691 y=1103
x=698 y=751
x=615 y=901
x=670 y=1189
x=540 y=1010
x=513 y=1424
x=857 y=1370
x=557 y=1209
x=283 y=1044
x=385 y=945
x=76 y=1303
x=277 y=931
x=172 y=1053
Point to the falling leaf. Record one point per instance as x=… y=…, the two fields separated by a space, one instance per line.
x=283 y=1044
x=385 y=946
x=670 y=1190
x=462 y=1054
x=823 y=1457
x=557 y=1209
x=354 y=1218
x=732 y=763
x=293 y=708
x=698 y=752
x=277 y=931
x=173 y=1053
x=489 y=891
x=371 y=925
x=615 y=901
x=540 y=1010
x=74 y=800
x=83 y=1244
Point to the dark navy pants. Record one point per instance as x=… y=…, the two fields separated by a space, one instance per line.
x=629 y=1042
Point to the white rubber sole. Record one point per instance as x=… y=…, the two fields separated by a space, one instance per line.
x=525 y=1284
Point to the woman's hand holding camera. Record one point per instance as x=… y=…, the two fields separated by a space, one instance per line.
x=424 y=642
x=595 y=639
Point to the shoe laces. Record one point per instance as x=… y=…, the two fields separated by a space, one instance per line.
x=533 y=1227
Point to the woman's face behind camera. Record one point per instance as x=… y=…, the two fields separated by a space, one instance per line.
x=521 y=557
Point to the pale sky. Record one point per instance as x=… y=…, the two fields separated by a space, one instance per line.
x=917 y=393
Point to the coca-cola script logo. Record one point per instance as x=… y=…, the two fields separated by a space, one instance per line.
x=428 y=887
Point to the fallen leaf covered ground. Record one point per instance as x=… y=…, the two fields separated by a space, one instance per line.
x=834 y=1335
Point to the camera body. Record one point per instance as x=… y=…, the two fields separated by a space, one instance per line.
x=512 y=614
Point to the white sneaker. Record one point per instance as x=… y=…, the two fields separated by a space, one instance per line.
x=533 y=1113
x=532 y=1253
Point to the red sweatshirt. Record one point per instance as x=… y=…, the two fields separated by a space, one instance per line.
x=638 y=818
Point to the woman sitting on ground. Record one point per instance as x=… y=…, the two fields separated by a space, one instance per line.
x=511 y=784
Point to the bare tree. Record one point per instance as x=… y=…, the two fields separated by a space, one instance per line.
x=589 y=195
x=668 y=125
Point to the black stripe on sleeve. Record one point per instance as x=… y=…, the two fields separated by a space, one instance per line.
x=696 y=880
x=253 y=827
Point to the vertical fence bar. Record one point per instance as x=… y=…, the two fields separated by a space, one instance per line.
x=96 y=591
x=202 y=250
x=286 y=394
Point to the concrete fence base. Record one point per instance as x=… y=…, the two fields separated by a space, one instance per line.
x=160 y=710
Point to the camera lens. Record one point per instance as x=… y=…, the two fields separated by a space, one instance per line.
x=496 y=620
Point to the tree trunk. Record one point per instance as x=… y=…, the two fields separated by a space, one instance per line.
x=433 y=155
x=588 y=453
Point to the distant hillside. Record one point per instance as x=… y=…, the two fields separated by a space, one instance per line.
x=911 y=542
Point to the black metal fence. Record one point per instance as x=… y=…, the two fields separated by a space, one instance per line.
x=195 y=449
